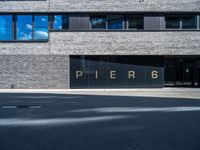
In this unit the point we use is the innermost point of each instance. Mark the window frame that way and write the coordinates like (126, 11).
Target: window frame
(40, 27)
(106, 19)
(198, 22)
(196, 16)
(14, 28)
(123, 21)
(52, 21)
(95, 16)
(90, 14)
(136, 16)
(32, 23)
(180, 22)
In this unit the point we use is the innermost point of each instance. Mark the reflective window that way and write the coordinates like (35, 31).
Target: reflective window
(115, 22)
(98, 22)
(135, 22)
(6, 31)
(40, 27)
(189, 22)
(58, 22)
(61, 22)
(24, 27)
(172, 22)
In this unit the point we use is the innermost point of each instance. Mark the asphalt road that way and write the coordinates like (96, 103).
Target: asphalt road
(86, 122)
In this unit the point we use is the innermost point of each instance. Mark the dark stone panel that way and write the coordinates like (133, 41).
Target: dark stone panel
(116, 71)
(137, 65)
(96, 72)
(78, 72)
(154, 71)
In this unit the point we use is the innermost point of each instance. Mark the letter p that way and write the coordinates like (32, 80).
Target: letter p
(78, 74)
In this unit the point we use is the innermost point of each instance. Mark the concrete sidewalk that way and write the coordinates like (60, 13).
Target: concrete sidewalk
(154, 92)
(98, 90)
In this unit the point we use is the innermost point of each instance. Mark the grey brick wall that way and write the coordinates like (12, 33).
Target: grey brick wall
(24, 6)
(125, 5)
(125, 43)
(36, 71)
(25, 48)
(110, 43)
(99, 5)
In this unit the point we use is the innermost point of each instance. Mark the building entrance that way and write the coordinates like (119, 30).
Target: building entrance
(182, 72)
(134, 71)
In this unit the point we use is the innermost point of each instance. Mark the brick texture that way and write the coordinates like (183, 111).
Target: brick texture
(125, 5)
(125, 43)
(98, 5)
(23, 71)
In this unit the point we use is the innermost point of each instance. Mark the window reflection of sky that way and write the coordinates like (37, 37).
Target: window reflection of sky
(98, 22)
(41, 21)
(24, 27)
(61, 22)
(115, 22)
(6, 32)
(41, 27)
(58, 22)
(40, 33)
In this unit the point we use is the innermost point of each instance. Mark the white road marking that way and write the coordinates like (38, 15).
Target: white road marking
(57, 121)
(8, 107)
(138, 109)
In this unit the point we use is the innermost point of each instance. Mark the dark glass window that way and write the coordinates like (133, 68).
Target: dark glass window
(24, 27)
(98, 22)
(61, 22)
(6, 31)
(189, 22)
(40, 27)
(115, 22)
(199, 21)
(135, 22)
(172, 22)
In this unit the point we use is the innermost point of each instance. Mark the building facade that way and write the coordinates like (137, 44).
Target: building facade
(62, 44)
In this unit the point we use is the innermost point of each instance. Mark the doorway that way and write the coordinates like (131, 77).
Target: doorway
(181, 72)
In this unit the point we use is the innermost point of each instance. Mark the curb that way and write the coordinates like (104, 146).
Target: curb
(98, 90)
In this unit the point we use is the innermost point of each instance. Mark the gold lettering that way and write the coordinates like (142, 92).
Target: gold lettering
(131, 74)
(112, 74)
(154, 74)
(96, 74)
(78, 74)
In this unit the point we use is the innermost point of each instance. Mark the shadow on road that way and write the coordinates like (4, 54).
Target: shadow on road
(94, 122)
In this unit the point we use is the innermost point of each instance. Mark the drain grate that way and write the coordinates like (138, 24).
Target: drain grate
(21, 106)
